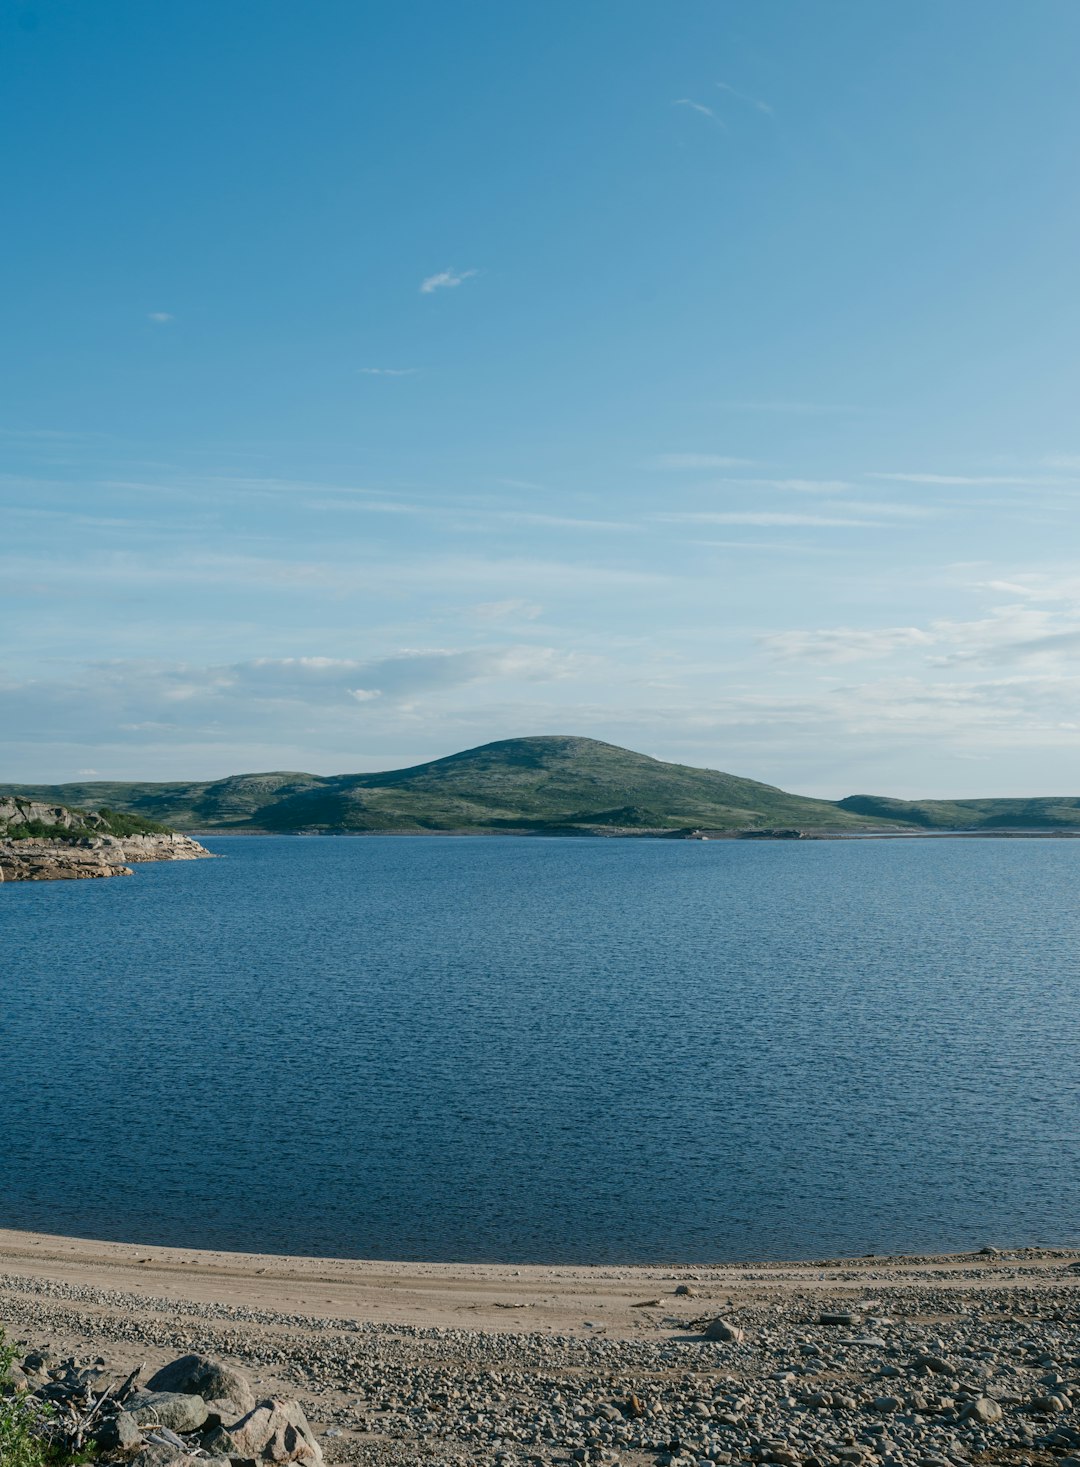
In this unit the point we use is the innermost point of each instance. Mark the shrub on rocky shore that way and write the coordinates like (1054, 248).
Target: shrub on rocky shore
(194, 1410)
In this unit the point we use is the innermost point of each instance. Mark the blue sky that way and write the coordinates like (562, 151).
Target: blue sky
(384, 378)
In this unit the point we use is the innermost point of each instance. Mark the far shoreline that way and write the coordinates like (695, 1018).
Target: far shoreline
(709, 838)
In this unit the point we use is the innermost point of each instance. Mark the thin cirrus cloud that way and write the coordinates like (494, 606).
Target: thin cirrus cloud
(765, 518)
(445, 280)
(1009, 634)
(755, 102)
(886, 508)
(373, 576)
(563, 522)
(1038, 587)
(220, 487)
(797, 409)
(1050, 646)
(512, 609)
(698, 461)
(389, 371)
(160, 318)
(797, 486)
(700, 108)
(843, 644)
(960, 480)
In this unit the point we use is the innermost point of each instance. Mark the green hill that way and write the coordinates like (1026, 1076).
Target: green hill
(1053, 812)
(535, 784)
(553, 783)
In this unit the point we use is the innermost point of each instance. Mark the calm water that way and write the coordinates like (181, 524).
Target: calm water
(549, 1050)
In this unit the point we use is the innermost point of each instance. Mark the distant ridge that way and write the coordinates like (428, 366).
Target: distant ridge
(549, 783)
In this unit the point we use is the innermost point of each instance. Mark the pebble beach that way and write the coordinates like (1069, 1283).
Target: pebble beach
(874, 1362)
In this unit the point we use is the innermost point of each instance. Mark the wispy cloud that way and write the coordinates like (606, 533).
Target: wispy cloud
(843, 644)
(513, 609)
(445, 280)
(960, 480)
(754, 102)
(701, 108)
(698, 461)
(886, 508)
(807, 409)
(1039, 587)
(1010, 634)
(216, 487)
(389, 371)
(47, 435)
(370, 506)
(765, 517)
(1048, 647)
(160, 318)
(563, 522)
(798, 486)
(1015, 588)
(1062, 461)
(375, 575)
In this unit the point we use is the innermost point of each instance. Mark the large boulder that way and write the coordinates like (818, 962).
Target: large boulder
(719, 1329)
(162, 1455)
(120, 1433)
(276, 1431)
(985, 1411)
(177, 1411)
(225, 1390)
(13, 1380)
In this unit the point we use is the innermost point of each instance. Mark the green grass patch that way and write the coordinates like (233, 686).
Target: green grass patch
(29, 1433)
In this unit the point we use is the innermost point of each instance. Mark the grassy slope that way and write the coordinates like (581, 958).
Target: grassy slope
(192, 805)
(535, 784)
(515, 784)
(549, 782)
(1054, 812)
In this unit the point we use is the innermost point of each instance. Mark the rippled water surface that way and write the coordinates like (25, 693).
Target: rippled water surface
(552, 1050)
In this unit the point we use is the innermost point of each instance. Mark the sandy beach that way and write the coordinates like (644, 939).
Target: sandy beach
(403, 1362)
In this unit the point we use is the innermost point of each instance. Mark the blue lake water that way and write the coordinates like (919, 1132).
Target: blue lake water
(551, 1050)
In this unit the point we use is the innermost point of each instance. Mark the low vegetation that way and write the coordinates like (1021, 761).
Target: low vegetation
(75, 825)
(24, 1420)
(1052, 812)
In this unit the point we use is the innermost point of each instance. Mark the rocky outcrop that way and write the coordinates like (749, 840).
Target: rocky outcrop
(275, 1431)
(79, 857)
(55, 860)
(22, 812)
